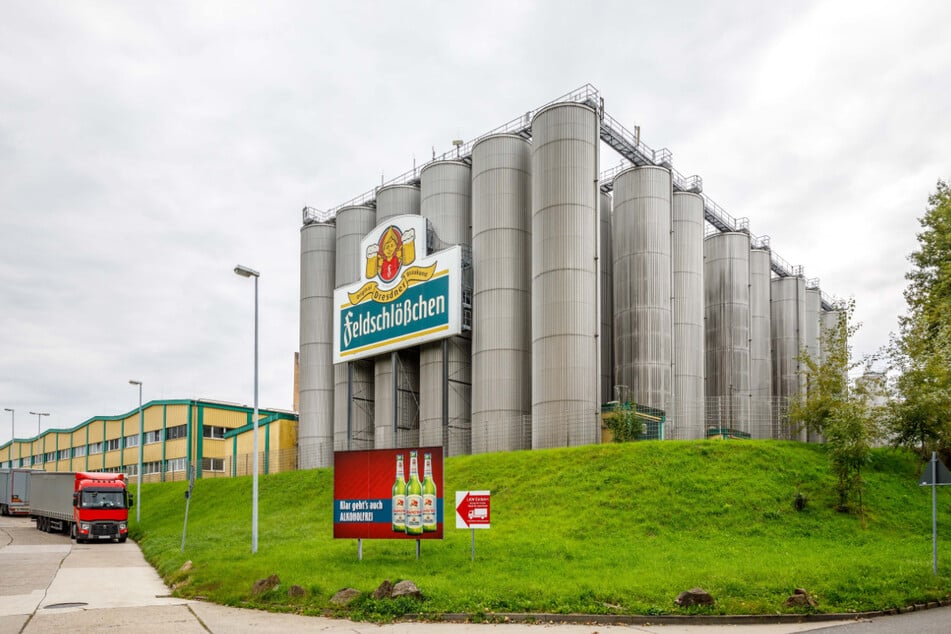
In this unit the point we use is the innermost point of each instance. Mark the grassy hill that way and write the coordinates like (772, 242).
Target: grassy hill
(600, 529)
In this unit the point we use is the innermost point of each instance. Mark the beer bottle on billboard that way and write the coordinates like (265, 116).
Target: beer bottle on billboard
(414, 499)
(429, 495)
(399, 497)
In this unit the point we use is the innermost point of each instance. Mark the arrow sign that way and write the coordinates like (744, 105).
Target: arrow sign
(472, 509)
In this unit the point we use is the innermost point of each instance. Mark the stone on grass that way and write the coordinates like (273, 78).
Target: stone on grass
(383, 592)
(295, 591)
(186, 566)
(265, 585)
(406, 589)
(694, 596)
(345, 596)
(800, 599)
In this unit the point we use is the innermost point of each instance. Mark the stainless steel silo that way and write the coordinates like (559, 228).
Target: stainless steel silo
(501, 297)
(565, 285)
(686, 252)
(445, 199)
(606, 336)
(353, 381)
(316, 379)
(396, 394)
(726, 278)
(786, 321)
(761, 358)
(642, 300)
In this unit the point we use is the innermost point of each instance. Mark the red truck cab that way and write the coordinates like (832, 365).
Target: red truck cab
(101, 507)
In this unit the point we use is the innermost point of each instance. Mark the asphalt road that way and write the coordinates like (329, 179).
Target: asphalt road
(49, 585)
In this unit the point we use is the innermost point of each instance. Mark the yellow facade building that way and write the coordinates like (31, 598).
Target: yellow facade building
(214, 438)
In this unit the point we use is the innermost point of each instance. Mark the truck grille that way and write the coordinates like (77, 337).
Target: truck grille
(103, 530)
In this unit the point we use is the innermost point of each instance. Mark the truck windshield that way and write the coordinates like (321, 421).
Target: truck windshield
(103, 499)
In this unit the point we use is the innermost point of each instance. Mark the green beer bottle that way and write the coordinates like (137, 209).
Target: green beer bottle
(429, 495)
(399, 498)
(414, 499)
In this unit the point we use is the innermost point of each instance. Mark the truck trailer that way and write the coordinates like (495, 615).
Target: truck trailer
(15, 491)
(87, 506)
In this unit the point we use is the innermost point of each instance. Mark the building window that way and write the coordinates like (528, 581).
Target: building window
(131, 441)
(79, 452)
(114, 444)
(95, 448)
(50, 456)
(212, 464)
(179, 431)
(175, 464)
(63, 454)
(211, 431)
(153, 436)
(131, 469)
(152, 467)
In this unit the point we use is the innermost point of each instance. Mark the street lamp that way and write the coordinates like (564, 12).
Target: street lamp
(244, 271)
(138, 471)
(13, 432)
(39, 417)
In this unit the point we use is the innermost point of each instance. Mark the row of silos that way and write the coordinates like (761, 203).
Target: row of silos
(574, 293)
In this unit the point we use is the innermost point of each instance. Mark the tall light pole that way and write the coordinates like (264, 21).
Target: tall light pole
(138, 471)
(244, 271)
(39, 417)
(13, 432)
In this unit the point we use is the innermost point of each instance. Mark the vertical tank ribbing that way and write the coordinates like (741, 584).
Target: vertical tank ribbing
(811, 333)
(606, 264)
(642, 301)
(353, 397)
(315, 428)
(445, 199)
(687, 418)
(787, 317)
(726, 278)
(501, 301)
(761, 384)
(565, 322)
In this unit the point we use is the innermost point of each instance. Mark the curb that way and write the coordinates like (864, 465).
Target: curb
(670, 619)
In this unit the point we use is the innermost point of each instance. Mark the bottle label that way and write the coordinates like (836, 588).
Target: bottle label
(399, 510)
(429, 510)
(414, 512)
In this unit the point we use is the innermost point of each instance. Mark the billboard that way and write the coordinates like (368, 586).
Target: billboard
(388, 494)
(405, 296)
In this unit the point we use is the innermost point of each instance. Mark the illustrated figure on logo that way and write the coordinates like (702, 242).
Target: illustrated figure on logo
(394, 251)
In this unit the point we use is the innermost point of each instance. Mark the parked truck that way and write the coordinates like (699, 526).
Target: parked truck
(15, 491)
(87, 506)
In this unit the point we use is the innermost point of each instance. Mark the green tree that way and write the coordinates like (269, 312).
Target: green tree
(919, 415)
(624, 423)
(842, 413)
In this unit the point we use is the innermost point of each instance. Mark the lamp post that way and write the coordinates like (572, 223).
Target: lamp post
(244, 271)
(13, 432)
(39, 417)
(138, 471)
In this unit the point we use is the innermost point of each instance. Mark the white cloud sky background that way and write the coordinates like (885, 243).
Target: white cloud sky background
(146, 148)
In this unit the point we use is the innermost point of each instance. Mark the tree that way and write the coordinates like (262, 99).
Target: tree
(919, 415)
(624, 423)
(840, 412)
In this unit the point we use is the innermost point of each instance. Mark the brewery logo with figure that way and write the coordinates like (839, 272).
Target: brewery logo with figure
(406, 296)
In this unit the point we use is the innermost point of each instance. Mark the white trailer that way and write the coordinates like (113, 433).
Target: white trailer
(15, 491)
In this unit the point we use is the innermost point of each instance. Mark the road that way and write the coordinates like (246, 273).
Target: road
(50, 585)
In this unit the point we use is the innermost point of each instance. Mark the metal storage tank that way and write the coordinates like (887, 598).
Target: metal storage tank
(565, 285)
(316, 380)
(396, 396)
(642, 301)
(828, 322)
(811, 330)
(786, 320)
(501, 296)
(687, 417)
(761, 358)
(606, 264)
(726, 277)
(445, 199)
(353, 382)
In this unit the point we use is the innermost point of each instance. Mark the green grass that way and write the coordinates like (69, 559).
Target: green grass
(603, 529)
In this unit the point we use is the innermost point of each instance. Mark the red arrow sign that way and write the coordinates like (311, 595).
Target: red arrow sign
(472, 509)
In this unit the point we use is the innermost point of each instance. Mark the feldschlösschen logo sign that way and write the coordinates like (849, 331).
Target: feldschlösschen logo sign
(405, 297)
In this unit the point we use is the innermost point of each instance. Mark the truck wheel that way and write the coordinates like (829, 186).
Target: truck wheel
(122, 539)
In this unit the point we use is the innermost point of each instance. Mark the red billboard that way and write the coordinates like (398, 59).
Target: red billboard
(388, 494)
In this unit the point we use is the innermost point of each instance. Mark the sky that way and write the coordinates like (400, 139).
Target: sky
(146, 148)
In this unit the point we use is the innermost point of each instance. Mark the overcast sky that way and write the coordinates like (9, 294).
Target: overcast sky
(146, 148)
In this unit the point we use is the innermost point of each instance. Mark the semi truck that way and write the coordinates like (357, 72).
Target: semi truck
(87, 506)
(15, 491)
